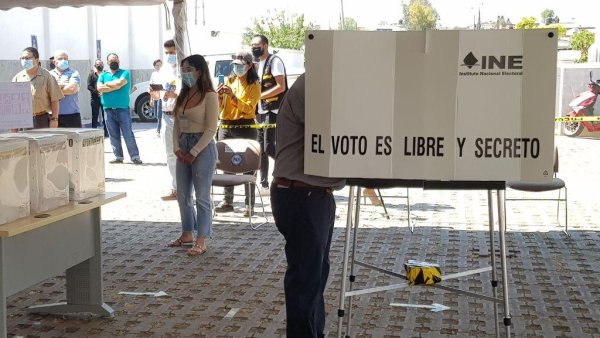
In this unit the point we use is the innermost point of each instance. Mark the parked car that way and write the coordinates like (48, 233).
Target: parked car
(218, 64)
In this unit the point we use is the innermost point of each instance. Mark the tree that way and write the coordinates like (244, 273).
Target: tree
(420, 15)
(562, 30)
(527, 23)
(349, 24)
(283, 31)
(582, 41)
(548, 17)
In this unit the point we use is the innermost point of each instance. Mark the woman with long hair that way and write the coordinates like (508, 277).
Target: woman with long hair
(238, 98)
(195, 125)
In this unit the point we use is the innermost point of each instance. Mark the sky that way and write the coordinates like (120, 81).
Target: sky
(368, 13)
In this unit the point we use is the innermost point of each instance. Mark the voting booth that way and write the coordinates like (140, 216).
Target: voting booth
(14, 180)
(435, 105)
(85, 149)
(432, 109)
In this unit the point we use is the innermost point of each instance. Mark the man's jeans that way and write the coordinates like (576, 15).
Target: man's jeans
(196, 177)
(118, 121)
(166, 132)
(266, 138)
(305, 218)
(159, 113)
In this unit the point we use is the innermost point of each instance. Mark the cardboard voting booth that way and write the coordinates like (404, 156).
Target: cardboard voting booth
(85, 148)
(14, 180)
(435, 105)
(48, 170)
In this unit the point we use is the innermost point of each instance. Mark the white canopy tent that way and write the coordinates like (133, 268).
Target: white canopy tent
(178, 10)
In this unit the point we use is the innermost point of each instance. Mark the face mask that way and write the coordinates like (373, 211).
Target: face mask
(63, 64)
(257, 51)
(27, 64)
(188, 79)
(171, 59)
(99, 68)
(239, 70)
(114, 65)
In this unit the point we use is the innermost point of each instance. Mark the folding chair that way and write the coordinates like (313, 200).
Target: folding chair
(237, 156)
(555, 184)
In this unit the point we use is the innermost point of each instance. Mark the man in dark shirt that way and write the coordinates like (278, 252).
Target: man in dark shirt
(95, 95)
(304, 211)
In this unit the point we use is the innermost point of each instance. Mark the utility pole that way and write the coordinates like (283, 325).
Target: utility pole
(342, 25)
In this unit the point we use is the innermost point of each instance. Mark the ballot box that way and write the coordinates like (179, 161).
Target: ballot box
(85, 148)
(48, 170)
(14, 179)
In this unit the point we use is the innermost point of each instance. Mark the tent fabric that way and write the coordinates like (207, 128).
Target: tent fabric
(29, 4)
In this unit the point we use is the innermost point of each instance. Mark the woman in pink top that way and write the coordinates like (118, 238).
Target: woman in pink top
(195, 124)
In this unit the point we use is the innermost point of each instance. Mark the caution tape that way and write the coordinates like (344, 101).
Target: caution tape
(577, 119)
(253, 126)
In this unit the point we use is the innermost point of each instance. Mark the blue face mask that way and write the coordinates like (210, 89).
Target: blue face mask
(172, 59)
(188, 79)
(27, 64)
(239, 70)
(63, 64)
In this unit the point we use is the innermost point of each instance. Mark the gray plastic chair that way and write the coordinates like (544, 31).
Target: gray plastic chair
(237, 156)
(555, 184)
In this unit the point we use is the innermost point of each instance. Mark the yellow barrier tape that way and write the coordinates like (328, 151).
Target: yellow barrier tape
(577, 119)
(254, 126)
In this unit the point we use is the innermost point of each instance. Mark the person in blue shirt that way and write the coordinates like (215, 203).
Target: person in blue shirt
(114, 85)
(68, 80)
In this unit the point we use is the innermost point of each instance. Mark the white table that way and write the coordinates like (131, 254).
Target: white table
(41, 246)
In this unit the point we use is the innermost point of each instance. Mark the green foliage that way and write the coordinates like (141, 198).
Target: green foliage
(349, 24)
(562, 30)
(420, 15)
(548, 17)
(527, 23)
(582, 41)
(283, 31)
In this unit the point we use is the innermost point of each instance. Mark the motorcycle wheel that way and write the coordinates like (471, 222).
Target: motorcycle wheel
(572, 129)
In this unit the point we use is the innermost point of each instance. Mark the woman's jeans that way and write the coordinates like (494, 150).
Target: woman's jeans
(196, 177)
(159, 112)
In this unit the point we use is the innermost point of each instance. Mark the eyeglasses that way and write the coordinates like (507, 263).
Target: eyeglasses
(27, 58)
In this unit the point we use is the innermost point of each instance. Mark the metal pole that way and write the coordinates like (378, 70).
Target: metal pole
(352, 276)
(343, 24)
(493, 259)
(501, 235)
(345, 261)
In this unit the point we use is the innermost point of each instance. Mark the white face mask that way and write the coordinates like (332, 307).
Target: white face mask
(171, 59)
(239, 70)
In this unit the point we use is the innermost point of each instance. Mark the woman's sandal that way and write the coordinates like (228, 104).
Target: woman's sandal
(196, 250)
(179, 243)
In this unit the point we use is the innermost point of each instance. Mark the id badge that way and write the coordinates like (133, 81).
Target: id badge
(184, 122)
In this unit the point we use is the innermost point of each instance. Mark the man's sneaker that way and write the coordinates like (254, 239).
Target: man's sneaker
(136, 161)
(170, 197)
(224, 207)
(248, 212)
(115, 161)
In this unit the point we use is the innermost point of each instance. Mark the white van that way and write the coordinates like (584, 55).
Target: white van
(218, 64)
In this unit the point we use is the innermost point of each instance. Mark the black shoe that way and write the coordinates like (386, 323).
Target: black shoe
(136, 161)
(224, 207)
(116, 161)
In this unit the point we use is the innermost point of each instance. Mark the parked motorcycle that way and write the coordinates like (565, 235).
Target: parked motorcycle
(583, 105)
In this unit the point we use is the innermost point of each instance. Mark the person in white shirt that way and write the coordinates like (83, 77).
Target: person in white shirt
(155, 94)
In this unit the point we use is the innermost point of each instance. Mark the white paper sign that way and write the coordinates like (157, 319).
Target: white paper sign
(16, 109)
(435, 105)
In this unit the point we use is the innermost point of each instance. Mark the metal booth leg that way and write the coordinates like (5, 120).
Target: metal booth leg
(493, 260)
(345, 261)
(502, 237)
(352, 277)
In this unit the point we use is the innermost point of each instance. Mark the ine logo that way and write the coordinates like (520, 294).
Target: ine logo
(491, 62)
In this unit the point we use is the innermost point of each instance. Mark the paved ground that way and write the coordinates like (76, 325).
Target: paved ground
(554, 288)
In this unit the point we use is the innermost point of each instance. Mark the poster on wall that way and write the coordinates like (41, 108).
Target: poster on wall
(15, 105)
(435, 105)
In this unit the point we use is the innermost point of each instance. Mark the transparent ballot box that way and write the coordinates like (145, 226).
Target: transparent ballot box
(85, 149)
(14, 179)
(48, 170)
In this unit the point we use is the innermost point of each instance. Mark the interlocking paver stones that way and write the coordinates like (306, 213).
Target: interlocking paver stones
(553, 286)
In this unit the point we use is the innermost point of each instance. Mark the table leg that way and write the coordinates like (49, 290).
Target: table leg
(503, 263)
(493, 260)
(3, 295)
(84, 283)
(345, 262)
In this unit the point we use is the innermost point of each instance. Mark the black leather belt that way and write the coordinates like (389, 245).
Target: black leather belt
(285, 183)
(41, 113)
